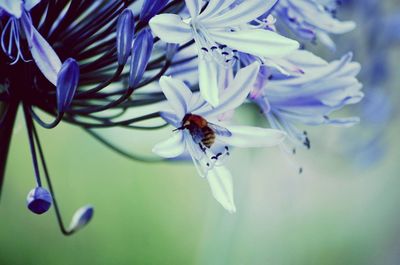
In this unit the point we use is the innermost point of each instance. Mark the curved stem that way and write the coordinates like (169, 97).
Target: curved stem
(64, 230)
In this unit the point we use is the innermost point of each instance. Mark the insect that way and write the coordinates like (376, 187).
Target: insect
(202, 131)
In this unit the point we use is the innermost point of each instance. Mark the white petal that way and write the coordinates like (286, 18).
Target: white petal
(221, 184)
(43, 54)
(171, 118)
(245, 12)
(170, 28)
(256, 42)
(208, 81)
(197, 155)
(237, 91)
(248, 136)
(194, 7)
(172, 147)
(12, 7)
(214, 7)
(177, 94)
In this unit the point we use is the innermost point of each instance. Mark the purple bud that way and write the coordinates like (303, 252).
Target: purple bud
(39, 200)
(67, 82)
(141, 52)
(81, 218)
(125, 30)
(151, 8)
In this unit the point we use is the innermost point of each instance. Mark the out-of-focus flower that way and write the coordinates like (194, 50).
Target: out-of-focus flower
(313, 20)
(308, 99)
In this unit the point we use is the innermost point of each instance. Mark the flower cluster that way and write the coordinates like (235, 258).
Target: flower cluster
(99, 64)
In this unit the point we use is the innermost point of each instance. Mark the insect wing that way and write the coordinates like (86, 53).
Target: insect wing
(197, 134)
(219, 130)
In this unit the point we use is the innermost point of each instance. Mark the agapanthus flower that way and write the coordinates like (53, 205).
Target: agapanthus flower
(220, 31)
(60, 59)
(313, 20)
(207, 140)
(310, 98)
(100, 64)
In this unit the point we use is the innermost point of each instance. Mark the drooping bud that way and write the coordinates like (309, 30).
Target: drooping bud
(81, 218)
(125, 31)
(39, 200)
(67, 82)
(141, 52)
(150, 8)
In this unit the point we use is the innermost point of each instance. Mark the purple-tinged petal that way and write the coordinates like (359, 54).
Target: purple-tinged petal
(43, 54)
(258, 42)
(208, 80)
(172, 147)
(241, 14)
(248, 136)
(29, 4)
(171, 29)
(194, 7)
(221, 184)
(177, 94)
(237, 91)
(12, 7)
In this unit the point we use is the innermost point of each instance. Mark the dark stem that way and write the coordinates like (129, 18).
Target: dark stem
(6, 130)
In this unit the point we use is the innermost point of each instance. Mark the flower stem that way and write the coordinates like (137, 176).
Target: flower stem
(6, 129)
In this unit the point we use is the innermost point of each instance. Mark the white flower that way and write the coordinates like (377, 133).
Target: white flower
(199, 133)
(219, 32)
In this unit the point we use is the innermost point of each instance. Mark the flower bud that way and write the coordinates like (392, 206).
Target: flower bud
(151, 8)
(39, 200)
(141, 52)
(81, 218)
(125, 30)
(67, 82)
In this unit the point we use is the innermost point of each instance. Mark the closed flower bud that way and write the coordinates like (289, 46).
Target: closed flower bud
(39, 200)
(125, 31)
(141, 52)
(151, 8)
(81, 218)
(67, 82)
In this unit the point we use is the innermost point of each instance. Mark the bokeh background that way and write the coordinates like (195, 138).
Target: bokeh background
(344, 208)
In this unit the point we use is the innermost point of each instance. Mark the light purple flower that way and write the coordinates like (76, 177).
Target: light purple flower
(311, 98)
(208, 160)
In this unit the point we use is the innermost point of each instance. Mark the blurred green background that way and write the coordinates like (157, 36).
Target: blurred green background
(334, 213)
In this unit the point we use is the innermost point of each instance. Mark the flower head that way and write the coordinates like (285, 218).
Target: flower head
(199, 132)
(220, 31)
(309, 98)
